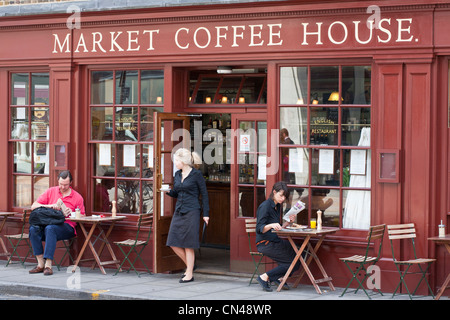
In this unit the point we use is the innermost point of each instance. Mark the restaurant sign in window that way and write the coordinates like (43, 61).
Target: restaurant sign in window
(325, 122)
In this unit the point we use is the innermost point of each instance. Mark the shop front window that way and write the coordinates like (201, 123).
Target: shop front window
(29, 135)
(121, 137)
(325, 121)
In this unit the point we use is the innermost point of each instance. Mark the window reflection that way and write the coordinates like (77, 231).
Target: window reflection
(295, 121)
(324, 82)
(293, 85)
(126, 87)
(356, 84)
(19, 89)
(152, 87)
(102, 87)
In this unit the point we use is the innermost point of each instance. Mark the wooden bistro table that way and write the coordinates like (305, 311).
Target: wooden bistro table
(5, 216)
(446, 242)
(306, 235)
(95, 223)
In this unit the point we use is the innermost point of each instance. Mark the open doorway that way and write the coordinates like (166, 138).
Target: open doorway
(209, 139)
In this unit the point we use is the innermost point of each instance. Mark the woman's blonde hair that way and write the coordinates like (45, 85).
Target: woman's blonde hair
(187, 157)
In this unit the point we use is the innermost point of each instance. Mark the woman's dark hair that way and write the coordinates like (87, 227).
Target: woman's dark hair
(64, 174)
(278, 186)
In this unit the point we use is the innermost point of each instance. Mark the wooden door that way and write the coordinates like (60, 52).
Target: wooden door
(171, 132)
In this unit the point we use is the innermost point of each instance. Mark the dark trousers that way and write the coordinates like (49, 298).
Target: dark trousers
(283, 254)
(50, 234)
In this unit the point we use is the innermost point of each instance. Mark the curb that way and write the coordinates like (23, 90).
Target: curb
(62, 294)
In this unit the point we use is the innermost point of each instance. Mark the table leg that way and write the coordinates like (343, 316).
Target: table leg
(87, 241)
(447, 280)
(297, 257)
(108, 246)
(5, 252)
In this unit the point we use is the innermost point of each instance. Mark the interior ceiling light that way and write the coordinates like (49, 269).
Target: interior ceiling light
(224, 69)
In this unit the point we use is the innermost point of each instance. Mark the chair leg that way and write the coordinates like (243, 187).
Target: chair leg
(360, 283)
(424, 272)
(15, 247)
(256, 268)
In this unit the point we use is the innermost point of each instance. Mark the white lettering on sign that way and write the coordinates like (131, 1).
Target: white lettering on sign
(295, 36)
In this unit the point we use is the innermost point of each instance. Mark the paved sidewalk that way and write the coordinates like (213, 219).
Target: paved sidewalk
(86, 284)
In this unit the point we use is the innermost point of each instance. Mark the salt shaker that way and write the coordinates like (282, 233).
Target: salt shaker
(77, 213)
(113, 210)
(441, 230)
(319, 219)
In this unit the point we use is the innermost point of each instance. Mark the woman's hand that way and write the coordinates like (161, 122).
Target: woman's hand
(206, 219)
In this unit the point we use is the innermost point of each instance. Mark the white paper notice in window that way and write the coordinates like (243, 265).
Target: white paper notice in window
(129, 155)
(262, 167)
(358, 162)
(326, 161)
(295, 160)
(104, 154)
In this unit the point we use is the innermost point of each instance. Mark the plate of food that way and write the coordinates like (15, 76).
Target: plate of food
(296, 226)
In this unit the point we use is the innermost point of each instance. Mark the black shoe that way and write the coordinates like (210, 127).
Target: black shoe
(285, 285)
(185, 281)
(264, 284)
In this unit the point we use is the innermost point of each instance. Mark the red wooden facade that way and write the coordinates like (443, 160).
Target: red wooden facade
(406, 47)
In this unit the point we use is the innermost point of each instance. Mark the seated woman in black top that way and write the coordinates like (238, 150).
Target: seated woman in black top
(188, 185)
(279, 250)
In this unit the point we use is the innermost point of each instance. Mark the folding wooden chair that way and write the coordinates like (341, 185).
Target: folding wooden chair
(145, 219)
(257, 257)
(376, 233)
(408, 232)
(20, 240)
(66, 245)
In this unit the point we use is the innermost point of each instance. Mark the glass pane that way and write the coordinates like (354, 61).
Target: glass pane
(356, 209)
(228, 90)
(102, 90)
(295, 164)
(324, 126)
(22, 191)
(356, 85)
(128, 160)
(127, 87)
(261, 173)
(327, 200)
(325, 167)
(246, 199)
(147, 123)
(207, 90)
(324, 82)
(128, 196)
(354, 120)
(253, 89)
(40, 129)
(294, 85)
(102, 123)
(126, 123)
(262, 136)
(152, 87)
(40, 89)
(247, 168)
(104, 162)
(247, 136)
(147, 197)
(147, 161)
(41, 158)
(40, 184)
(356, 168)
(104, 194)
(22, 157)
(260, 196)
(20, 89)
(293, 125)
(19, 123)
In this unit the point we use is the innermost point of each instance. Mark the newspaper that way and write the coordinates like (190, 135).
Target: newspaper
(299, 206)
(63, 207)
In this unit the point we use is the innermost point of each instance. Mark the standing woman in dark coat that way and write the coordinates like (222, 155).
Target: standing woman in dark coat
(188, 185)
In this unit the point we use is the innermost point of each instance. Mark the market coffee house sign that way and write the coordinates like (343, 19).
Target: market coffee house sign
(288, 34)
